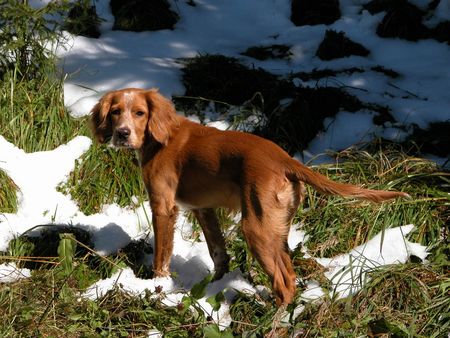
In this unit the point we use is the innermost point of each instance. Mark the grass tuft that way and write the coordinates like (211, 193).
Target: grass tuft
(102, 176)
(336, 225)
(8, 194)
(33, 116)
(224, 79)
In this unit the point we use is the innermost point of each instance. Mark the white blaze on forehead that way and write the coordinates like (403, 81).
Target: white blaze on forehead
(128, 99)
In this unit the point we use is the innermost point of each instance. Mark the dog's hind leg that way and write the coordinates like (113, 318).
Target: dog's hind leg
(214, 238)
(265, 226)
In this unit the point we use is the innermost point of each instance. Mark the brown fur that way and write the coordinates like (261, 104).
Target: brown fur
(202, 168)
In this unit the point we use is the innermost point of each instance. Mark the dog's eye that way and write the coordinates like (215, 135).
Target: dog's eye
(116, 112)
(140, 113)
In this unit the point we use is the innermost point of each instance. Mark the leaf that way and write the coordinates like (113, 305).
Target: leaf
(66, 251)
(199, 290)
(216, 300)
(186, 303)
(212, 331)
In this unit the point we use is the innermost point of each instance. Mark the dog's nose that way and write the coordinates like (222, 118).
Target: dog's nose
(123, 133)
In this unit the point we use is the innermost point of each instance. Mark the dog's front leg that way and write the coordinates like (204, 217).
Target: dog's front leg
(163, 228)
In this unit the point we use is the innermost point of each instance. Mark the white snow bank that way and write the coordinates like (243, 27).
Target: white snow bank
(347, 272)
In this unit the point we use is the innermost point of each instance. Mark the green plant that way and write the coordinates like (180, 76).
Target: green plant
(66, 252)
(8, 194)
(27, 38)
(336, 225)
(33, 116)
(82, 19)
(103, 176)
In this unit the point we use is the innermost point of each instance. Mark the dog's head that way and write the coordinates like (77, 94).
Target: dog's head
(128, 117)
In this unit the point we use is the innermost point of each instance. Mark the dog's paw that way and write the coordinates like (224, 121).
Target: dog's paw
(219, 273)
(160, 273)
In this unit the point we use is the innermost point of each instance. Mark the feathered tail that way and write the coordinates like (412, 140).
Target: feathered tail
(299, 172)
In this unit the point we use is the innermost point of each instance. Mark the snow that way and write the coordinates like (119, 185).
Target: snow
(348, 272)
(151, 59)
(10, 273)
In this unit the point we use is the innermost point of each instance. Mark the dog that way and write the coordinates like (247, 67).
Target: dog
(201, 168)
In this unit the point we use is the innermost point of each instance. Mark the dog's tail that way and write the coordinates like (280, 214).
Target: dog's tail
(299, 172)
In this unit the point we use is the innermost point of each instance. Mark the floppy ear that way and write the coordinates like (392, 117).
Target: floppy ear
(163, 118)
(100, 121)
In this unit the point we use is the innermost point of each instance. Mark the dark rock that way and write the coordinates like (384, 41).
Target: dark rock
(336, 45)
(314, 12)
(442, 32)
(377, 6)
(403, 20)
(142, 15)
(433, 140)
(268, 52)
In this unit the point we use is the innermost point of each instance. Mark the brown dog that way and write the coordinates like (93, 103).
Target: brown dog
(202, 168)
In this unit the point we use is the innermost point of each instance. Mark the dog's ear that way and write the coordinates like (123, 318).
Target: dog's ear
(163, 118)
(100, 121)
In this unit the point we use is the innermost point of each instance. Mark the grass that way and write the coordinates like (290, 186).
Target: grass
(32, 113)
(104, 176)
(402, 300)
(8, 200)
(224, 79)
(33, 118)
(335, 224)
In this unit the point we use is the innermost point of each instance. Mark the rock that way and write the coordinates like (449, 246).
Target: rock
(314, 12)
(336, 45)
(403, 20)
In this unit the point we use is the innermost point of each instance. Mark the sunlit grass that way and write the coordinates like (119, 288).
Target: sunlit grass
(103, 176)
(33, 116)
(336, 225)
(8, 198)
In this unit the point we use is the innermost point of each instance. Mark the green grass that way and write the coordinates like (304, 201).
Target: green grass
(335, 225)
(33, 116)
(8, 199)
(105, 175)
